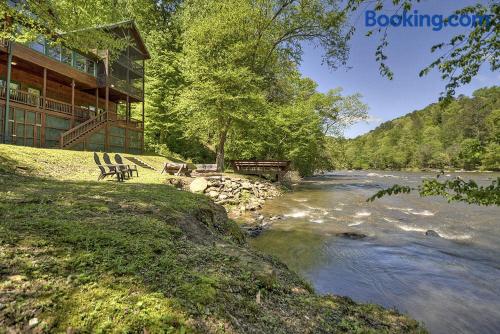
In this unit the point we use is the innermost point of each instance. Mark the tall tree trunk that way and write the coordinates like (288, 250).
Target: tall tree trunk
(219, 160)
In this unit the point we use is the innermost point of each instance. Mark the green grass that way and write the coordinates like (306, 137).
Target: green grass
(141, 256)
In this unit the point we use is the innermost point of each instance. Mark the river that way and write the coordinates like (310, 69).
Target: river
(449, 283)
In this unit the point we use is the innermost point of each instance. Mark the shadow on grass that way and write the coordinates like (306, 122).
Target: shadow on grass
(9, 165)
(141, 255)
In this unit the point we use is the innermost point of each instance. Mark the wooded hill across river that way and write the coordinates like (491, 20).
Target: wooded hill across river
(461, 134)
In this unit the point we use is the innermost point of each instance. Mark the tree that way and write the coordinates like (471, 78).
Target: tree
(222, 90)
(339, 112)
(491, 157)
(235, 51)
(470, 153)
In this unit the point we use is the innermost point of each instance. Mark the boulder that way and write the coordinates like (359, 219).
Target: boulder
(432, 233)
(198, 185)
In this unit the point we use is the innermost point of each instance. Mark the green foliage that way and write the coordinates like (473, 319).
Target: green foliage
(463, 134)
(453, 190)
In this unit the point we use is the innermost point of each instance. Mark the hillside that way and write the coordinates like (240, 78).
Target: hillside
(464, 134)
(81, 256)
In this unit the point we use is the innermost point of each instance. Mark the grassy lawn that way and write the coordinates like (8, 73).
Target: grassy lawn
(84, 256)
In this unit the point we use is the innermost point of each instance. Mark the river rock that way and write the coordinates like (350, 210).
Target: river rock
(254, 230)
(33, 322)
(352, 235)
(432, 233)
(246, 185)
(213, 193)
(253, 205)
(176, 182)
(198, 185)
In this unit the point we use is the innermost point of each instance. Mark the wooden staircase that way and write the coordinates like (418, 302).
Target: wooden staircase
(140, 163)
(75, 135)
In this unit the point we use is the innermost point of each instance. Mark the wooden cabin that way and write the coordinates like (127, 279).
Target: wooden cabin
(52, 96)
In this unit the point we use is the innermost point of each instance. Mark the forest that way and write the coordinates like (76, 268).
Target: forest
(460, 134)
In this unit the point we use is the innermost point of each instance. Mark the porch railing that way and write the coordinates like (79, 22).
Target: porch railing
(131, 123)
(16, 95)
(58, 106)
(34, 100)
(121, 85)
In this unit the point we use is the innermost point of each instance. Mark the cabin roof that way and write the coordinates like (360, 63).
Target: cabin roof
(129, 25)
(132, 27)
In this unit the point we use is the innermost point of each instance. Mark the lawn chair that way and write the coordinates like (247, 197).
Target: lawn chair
(123, 169)
(111, 171)
(131, 168)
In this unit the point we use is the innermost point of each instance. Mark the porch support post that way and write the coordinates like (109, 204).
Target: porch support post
(6, 138)
(44, 96)
(106, 128)
(97, 101)
(127, 109)
(143, 98)
(72, 103)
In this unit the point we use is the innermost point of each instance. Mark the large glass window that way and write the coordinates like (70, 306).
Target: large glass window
(90, 67)
(80, 62)
(54, 51)
(38, 45)
(67, 56)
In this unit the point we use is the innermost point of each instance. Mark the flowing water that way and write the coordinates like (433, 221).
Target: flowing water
(451, 284)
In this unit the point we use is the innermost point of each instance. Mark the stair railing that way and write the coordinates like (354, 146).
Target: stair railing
(75, 133)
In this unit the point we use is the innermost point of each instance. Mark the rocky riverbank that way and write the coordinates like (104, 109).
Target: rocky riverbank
(241, 197)
(237, 195)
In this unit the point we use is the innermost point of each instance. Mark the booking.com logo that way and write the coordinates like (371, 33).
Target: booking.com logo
(436, 21)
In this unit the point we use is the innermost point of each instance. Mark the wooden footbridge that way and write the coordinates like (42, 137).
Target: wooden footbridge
(276, 168)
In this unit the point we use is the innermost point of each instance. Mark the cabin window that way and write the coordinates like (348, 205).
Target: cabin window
(90, 67)
(38, 45)
(13, 3)
(80, 62)
(67, 56)
(54, 51)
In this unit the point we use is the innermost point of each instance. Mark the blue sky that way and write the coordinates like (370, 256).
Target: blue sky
(409, 52)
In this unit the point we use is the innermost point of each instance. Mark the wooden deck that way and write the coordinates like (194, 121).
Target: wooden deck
(276, 168)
